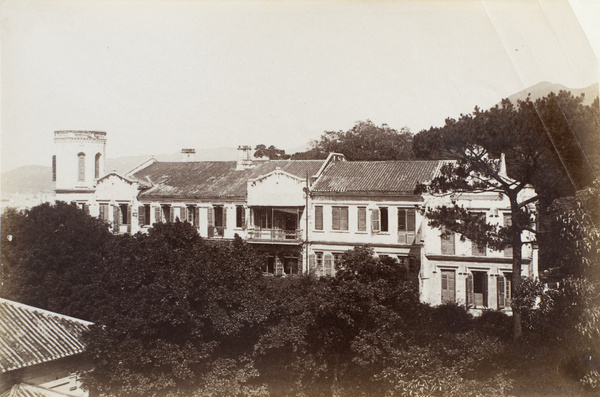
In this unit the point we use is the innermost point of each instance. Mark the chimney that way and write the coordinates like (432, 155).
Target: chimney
(188, 154)
(244, 160)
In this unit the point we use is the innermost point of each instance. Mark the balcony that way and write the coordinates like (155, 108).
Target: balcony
(274, 235)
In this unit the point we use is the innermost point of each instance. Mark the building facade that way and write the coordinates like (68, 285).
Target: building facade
(301, 214)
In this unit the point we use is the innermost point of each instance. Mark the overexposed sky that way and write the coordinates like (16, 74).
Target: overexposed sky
(159, 76)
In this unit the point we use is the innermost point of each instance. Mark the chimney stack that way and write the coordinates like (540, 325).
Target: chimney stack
(188, 154)
(244, 161)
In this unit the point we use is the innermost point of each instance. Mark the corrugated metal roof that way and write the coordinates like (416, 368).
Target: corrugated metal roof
(213, 179)
(25, 390)
(29, 335)
(375, 176)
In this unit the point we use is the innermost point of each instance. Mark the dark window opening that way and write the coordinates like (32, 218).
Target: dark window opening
(383, 213)
(240, 216)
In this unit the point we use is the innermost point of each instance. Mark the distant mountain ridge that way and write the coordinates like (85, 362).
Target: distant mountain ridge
(543, 88)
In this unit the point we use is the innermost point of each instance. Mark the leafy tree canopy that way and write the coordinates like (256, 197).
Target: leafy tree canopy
(271, 152)
(364, 141)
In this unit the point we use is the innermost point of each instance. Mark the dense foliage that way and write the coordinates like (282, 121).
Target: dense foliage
(364, 141)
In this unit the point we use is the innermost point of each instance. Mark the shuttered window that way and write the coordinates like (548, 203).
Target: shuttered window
(328, 265)
(504, 290)
(211, 222)
(448, 286)
(319, 217)
(240, 216)
(339, 218)
(362, 219)
(448, 242)
(157, 214)
(406, 225)
(375, 221)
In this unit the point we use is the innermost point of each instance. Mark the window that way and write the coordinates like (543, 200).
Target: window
(81, 167)
(476, 248)
(337, 257)
(319, 260)
(217, 220)
(125, 214)
(104, 212)
(319, 217)
(144, 214)
(447, 238)
(448, 285)
(291, 264)
(328, 265)
(54, 168)
(383, 219)
(263, 218)
(193, 215)
(504, 290)
(97, 166)
(166, 215)
(339, 218)
(508, 251)
(477, 288)
(406, 225)
(240, 216)
(362, 219)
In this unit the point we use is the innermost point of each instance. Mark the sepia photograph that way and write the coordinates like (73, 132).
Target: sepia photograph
(286, 198)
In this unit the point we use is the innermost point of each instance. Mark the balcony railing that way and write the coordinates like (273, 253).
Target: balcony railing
(274, 234)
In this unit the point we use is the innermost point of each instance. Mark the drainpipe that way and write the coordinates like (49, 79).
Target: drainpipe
(306, 216)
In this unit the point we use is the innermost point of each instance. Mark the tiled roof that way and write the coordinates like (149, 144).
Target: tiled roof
(375, 176)
(25, 390)
(213, 179)
(31, 336)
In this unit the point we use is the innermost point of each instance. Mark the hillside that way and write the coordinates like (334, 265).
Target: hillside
(542, 89)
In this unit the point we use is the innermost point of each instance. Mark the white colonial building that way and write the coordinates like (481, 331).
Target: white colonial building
(301, 214)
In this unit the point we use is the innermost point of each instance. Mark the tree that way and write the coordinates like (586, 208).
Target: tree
(364, 141)
(537, 141)
(50, 253)
(176, 314)
(271, 152)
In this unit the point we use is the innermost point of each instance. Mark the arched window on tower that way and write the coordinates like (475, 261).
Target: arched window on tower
(81, 167)
(54, 168)
(97, 166)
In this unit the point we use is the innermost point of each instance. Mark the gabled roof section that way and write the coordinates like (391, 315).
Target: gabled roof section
(362, 177)
(30, 336)
(114, 173)
(213, 179)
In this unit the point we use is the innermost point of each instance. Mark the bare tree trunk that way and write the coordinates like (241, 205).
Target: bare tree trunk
(517, 245)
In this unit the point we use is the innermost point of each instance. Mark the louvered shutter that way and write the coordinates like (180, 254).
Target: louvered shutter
(243, 217)
(402, 226)
(211, 222)
(362, 219)
(335, 218)
(318, 217)
(469, 282)
(485, 290)
(196, 216)
(142, 215)
(500, 287)
(344, 218)
(375, 220)
(328, 265)
(411, 226)
(157, 214)
(311, 261)
(116, 216)
(447, 242)
(86, 208)
(129, 214)
(224, 217)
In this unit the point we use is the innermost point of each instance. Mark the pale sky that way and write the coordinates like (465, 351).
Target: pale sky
(159, 76)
